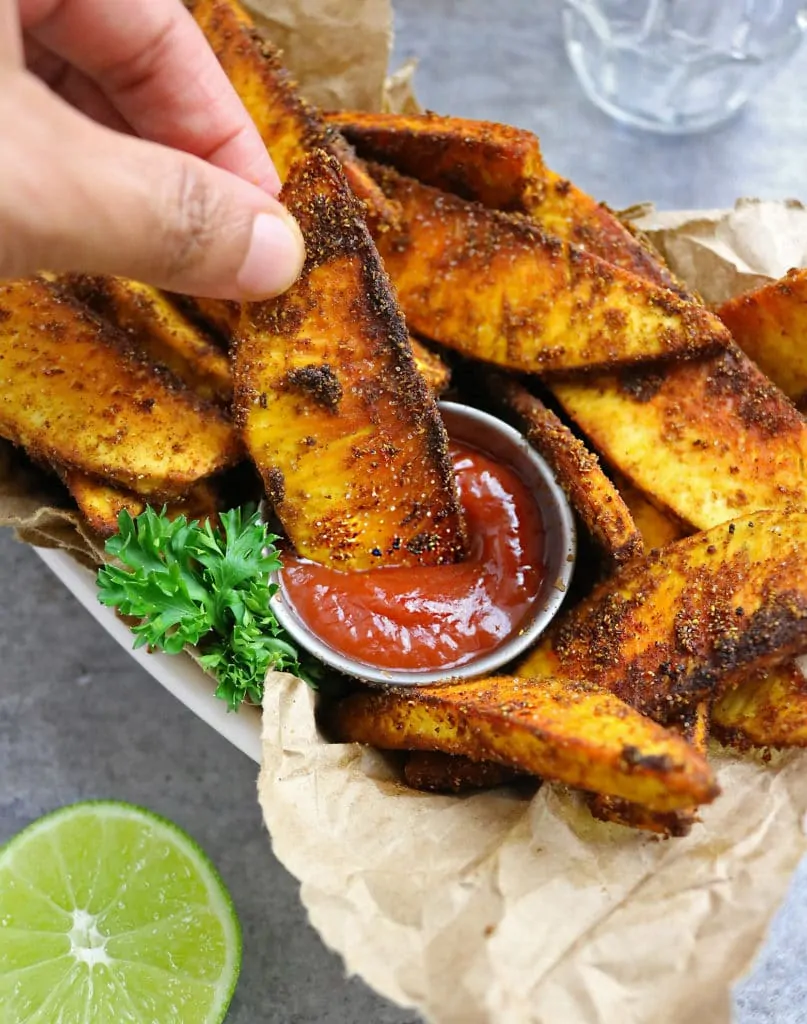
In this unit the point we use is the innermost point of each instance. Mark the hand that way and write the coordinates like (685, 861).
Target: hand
(125, 150)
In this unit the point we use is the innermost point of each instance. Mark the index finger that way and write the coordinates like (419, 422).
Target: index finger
(152, 61)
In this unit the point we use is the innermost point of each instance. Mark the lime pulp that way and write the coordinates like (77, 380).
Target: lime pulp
(109, 913)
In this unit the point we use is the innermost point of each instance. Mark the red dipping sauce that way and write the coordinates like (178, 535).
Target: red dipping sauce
(435, 617)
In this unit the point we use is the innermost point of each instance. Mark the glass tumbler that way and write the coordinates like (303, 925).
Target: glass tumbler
(678, 66)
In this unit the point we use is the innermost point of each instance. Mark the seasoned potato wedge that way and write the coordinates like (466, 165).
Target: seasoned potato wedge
(563, 731)
(100, 503)
(565, 211)
(496, 288)
(494, 164)
(160, 330)
(657, 529)
(770, 326)
(707, 439)
(290, 127)
(224, 317)
(430, 366)
(435, 772)
(767, 708)
(595, 499)
(677, 626)
(73, 393)
(343, 429)
(502, 168)
(695, 730)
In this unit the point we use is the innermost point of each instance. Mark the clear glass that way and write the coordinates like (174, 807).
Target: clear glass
(679, 66)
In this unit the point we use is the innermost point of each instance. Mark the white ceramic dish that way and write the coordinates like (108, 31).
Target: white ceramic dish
(179, 674)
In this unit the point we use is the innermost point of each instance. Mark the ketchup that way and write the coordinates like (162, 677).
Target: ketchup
(436, 617)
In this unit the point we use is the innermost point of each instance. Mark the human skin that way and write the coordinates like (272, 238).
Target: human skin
(124, 150)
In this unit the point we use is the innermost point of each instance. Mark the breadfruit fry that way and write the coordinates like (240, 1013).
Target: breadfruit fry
(501, 167)
(289, 127)
(767, 708)
(595, 499)
(160, 330)
(343, 429)
(695, 730)
(494, 164)
(673, 628)
(707, 439)
(770, 326)
(431, 367)
(435, 772)
(563, 731)
(657, 529)
(100, 503)
(567, 212)
(73, 393)
(496, 288)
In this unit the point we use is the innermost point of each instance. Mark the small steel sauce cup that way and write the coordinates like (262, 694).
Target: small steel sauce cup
(490, 435)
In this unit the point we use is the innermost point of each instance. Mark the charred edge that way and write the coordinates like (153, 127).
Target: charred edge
(275, 486)
(760, 404)
(632, 758)
(778, 629)
(318, 382)
(617, 811)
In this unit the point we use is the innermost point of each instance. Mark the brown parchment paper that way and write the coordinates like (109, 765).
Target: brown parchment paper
(496, 907)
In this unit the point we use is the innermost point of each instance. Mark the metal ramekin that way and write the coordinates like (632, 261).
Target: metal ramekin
(492, 436)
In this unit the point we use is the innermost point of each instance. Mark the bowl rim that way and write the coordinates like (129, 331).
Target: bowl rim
(554, 505)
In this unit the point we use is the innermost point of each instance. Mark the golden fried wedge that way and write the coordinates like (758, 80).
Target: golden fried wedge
(502, 168)
(100, 503)
(73, 393)
(495, 288)
(565, 211)
(770, 325)
(695, 730)
(595, 499)
(435, 772)
(673, 628)
(563, 731)
(494, 164)
(160, 330)
(343, 429)
(707, 439)
(767, 708)
(223, 318)
(657, 528)
(289, 127)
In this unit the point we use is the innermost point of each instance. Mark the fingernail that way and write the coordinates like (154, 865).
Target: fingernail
(274, 258)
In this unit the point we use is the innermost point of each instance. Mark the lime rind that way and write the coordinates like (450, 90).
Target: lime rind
(185, 957)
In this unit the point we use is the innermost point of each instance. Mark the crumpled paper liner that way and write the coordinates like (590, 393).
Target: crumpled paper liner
(495, 907)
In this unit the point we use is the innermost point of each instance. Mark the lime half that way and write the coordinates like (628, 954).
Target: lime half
(112, 915)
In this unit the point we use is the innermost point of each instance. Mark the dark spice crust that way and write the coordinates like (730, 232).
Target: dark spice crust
(495, 164)
(320, 382)
(435, 772)
(674, 628)
(496, 288)
(334, 353)
(593, 496)
(77, 392)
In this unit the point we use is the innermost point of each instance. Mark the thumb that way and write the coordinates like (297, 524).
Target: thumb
(77, 196)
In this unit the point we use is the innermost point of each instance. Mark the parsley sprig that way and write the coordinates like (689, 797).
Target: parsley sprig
(192, 583)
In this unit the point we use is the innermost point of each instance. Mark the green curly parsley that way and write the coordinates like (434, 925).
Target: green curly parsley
(205, 586)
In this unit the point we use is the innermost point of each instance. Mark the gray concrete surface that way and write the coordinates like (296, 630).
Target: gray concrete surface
(78, 719)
